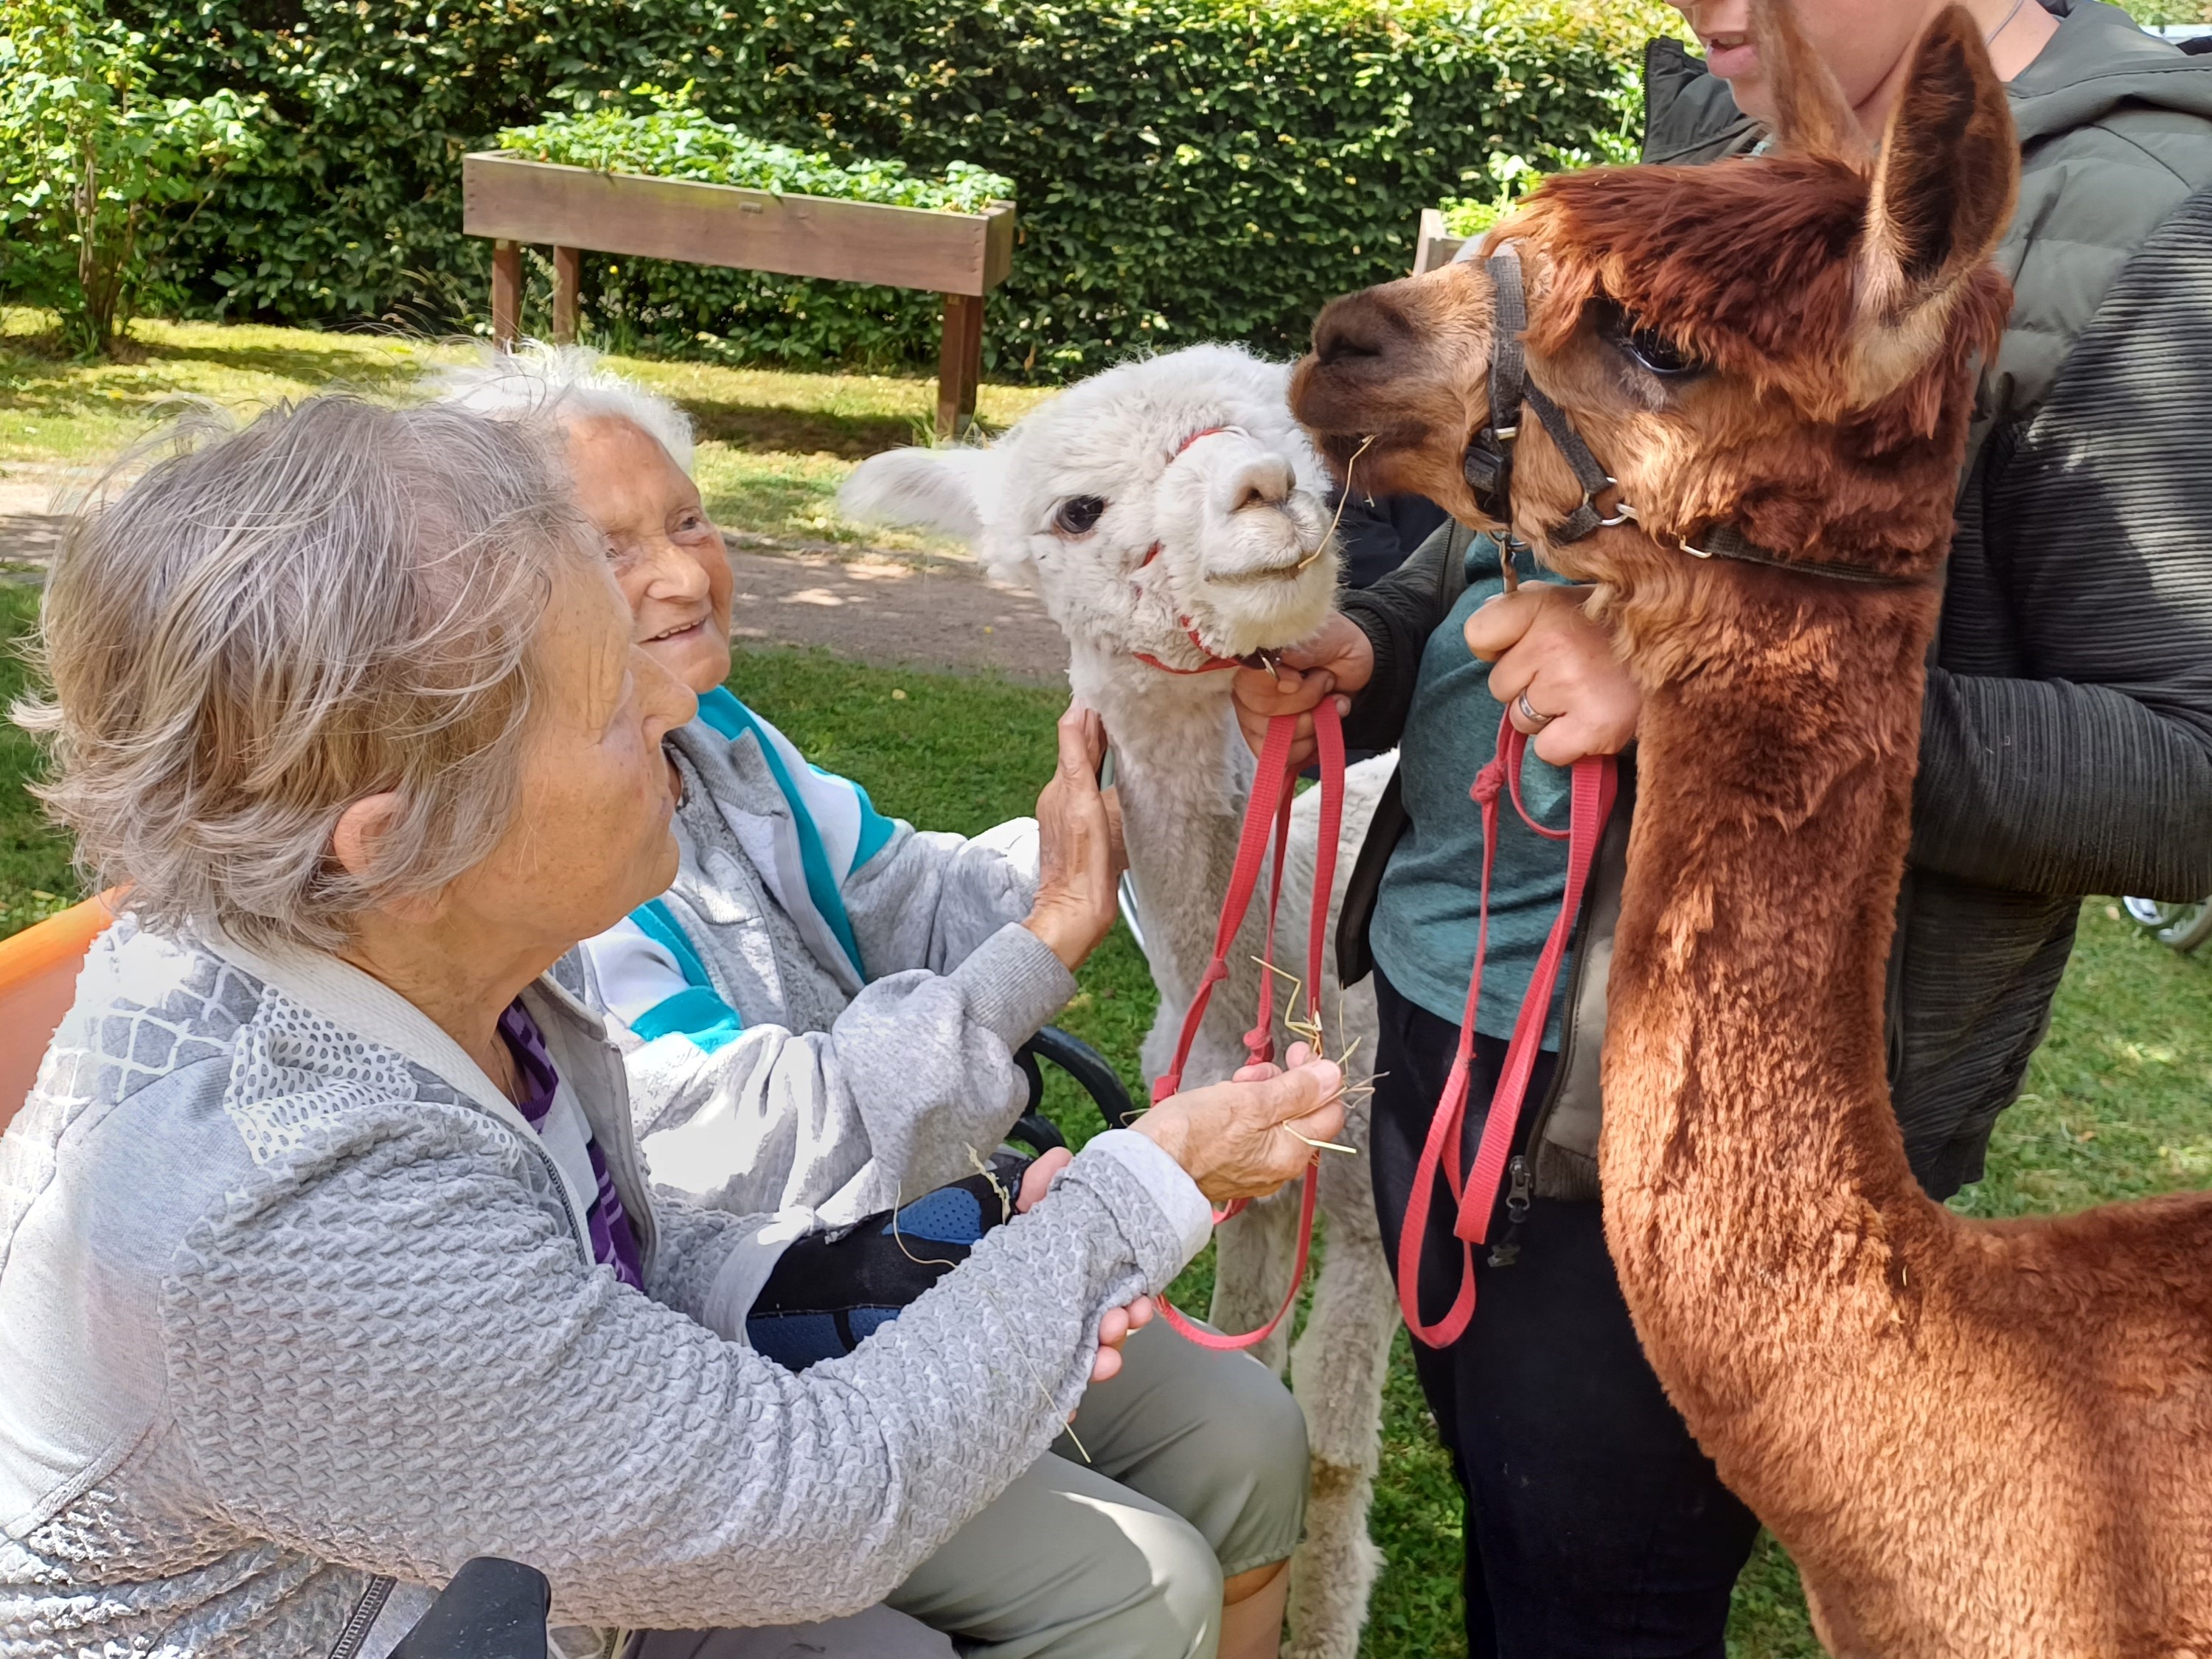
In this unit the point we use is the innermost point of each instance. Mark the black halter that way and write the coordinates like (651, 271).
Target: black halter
(1488, 464)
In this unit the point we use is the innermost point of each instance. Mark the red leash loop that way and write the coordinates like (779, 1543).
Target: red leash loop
(1595, 780)
(1274, 785)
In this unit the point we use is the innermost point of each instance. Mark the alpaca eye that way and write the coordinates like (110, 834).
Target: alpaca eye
(1656, 353)
(1078, 515)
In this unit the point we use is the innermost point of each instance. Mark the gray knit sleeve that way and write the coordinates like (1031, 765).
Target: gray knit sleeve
(928, 900)
(395, 1359)
(914, 1078)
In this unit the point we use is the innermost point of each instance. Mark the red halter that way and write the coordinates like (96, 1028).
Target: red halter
(1272, 789)
(1212, 663)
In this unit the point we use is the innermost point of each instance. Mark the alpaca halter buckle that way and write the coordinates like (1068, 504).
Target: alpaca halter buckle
(1487, 465)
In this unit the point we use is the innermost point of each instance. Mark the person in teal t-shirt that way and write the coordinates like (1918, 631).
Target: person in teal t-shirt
(1428, 911)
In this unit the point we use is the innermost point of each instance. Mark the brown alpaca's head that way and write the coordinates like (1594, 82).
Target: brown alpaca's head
(1785, 343)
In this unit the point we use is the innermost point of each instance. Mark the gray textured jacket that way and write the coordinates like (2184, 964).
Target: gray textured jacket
(294, 1302)
(2067, 738)
(802, 1080)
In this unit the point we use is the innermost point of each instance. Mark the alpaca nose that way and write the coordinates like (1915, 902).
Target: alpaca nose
(1356, 326)
(1263, 481)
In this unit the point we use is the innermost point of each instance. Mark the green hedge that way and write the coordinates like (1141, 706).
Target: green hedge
(1185, 169)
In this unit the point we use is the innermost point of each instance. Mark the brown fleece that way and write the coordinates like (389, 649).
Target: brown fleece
(1975, 1438)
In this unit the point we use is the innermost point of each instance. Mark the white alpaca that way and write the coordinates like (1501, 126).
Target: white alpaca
(1148, 540)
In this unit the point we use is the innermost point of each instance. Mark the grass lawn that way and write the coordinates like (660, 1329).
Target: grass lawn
(2115, 1104)
(772, 447)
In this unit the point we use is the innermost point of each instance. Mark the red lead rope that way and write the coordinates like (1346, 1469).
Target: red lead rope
(1272, 789)
(1595, 780)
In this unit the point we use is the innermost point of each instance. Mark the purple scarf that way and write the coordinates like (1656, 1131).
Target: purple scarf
(612, 1241)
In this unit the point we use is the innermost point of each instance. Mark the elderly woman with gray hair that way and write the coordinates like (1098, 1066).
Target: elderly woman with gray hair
(326, 1257)
(819, 1020)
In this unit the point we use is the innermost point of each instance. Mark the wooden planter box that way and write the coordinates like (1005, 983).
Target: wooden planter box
(962, 256)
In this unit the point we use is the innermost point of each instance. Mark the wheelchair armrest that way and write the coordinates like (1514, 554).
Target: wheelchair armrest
(1086, 1066)
(493, 1609)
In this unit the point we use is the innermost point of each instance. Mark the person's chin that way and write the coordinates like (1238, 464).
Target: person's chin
(665, 861)
(705, 665)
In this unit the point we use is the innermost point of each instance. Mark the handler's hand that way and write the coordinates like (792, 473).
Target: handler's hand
(1337, 659)
(1235, 1137)
(1541, 643)
(1078, 845)
(1113, 1329)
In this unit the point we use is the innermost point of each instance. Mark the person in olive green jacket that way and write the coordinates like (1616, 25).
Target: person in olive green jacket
(2067, 751)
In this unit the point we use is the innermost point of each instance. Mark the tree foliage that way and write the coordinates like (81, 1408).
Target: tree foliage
(1185, 169)
(97, 173)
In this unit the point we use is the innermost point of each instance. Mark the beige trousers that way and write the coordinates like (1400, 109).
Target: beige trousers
(1196, 1472)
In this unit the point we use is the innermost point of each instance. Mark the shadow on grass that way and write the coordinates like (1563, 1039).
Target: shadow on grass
(50, 384)
(771, 429)
(341, 364)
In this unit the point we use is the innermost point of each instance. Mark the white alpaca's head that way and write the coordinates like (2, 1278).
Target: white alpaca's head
(1170, 507)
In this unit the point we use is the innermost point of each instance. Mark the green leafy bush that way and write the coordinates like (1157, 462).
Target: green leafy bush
(1185, 169)
(675, 141)
(1515, 176)
(95, 172)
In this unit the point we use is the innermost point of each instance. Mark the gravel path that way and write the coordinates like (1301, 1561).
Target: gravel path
(909, 609)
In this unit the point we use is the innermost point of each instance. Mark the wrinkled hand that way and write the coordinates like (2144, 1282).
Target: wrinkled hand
(1235, 1139)
(1337, 659)
(1113, 1329)
(1078, 845)
(1541, 643)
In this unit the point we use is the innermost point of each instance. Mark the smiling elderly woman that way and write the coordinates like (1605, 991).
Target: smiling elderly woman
(326, 1259)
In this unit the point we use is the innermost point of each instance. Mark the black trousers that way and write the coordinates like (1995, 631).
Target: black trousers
(1595, 1528)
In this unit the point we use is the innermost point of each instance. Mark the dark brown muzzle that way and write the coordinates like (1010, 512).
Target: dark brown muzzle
(1390, 376)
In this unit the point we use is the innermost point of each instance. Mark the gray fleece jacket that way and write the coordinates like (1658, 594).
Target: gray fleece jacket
(819, 1017)
(294, 1302)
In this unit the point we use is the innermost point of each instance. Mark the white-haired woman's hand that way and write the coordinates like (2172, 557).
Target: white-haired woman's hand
(1245, 1138)
(1078, 845)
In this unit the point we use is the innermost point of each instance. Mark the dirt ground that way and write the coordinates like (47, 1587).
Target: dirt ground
(919, 611)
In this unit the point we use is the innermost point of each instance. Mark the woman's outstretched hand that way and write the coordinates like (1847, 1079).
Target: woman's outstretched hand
(1078, 845)
(1242, 1138)
(1235, 1139)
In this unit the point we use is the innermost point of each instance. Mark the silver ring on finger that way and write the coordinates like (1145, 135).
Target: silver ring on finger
(1529, 714)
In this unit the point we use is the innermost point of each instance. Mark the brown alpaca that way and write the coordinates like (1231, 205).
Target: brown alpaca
(1974, 1438)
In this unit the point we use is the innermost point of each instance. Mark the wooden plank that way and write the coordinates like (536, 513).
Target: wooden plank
(506, 291)
(1436, 245)
(567, 283)
(506, 196)
(959, 363)
(998, 245)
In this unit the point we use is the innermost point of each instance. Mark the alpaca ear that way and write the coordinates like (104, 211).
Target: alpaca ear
(1944, 185)
(1811, 115)
(934, 489)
